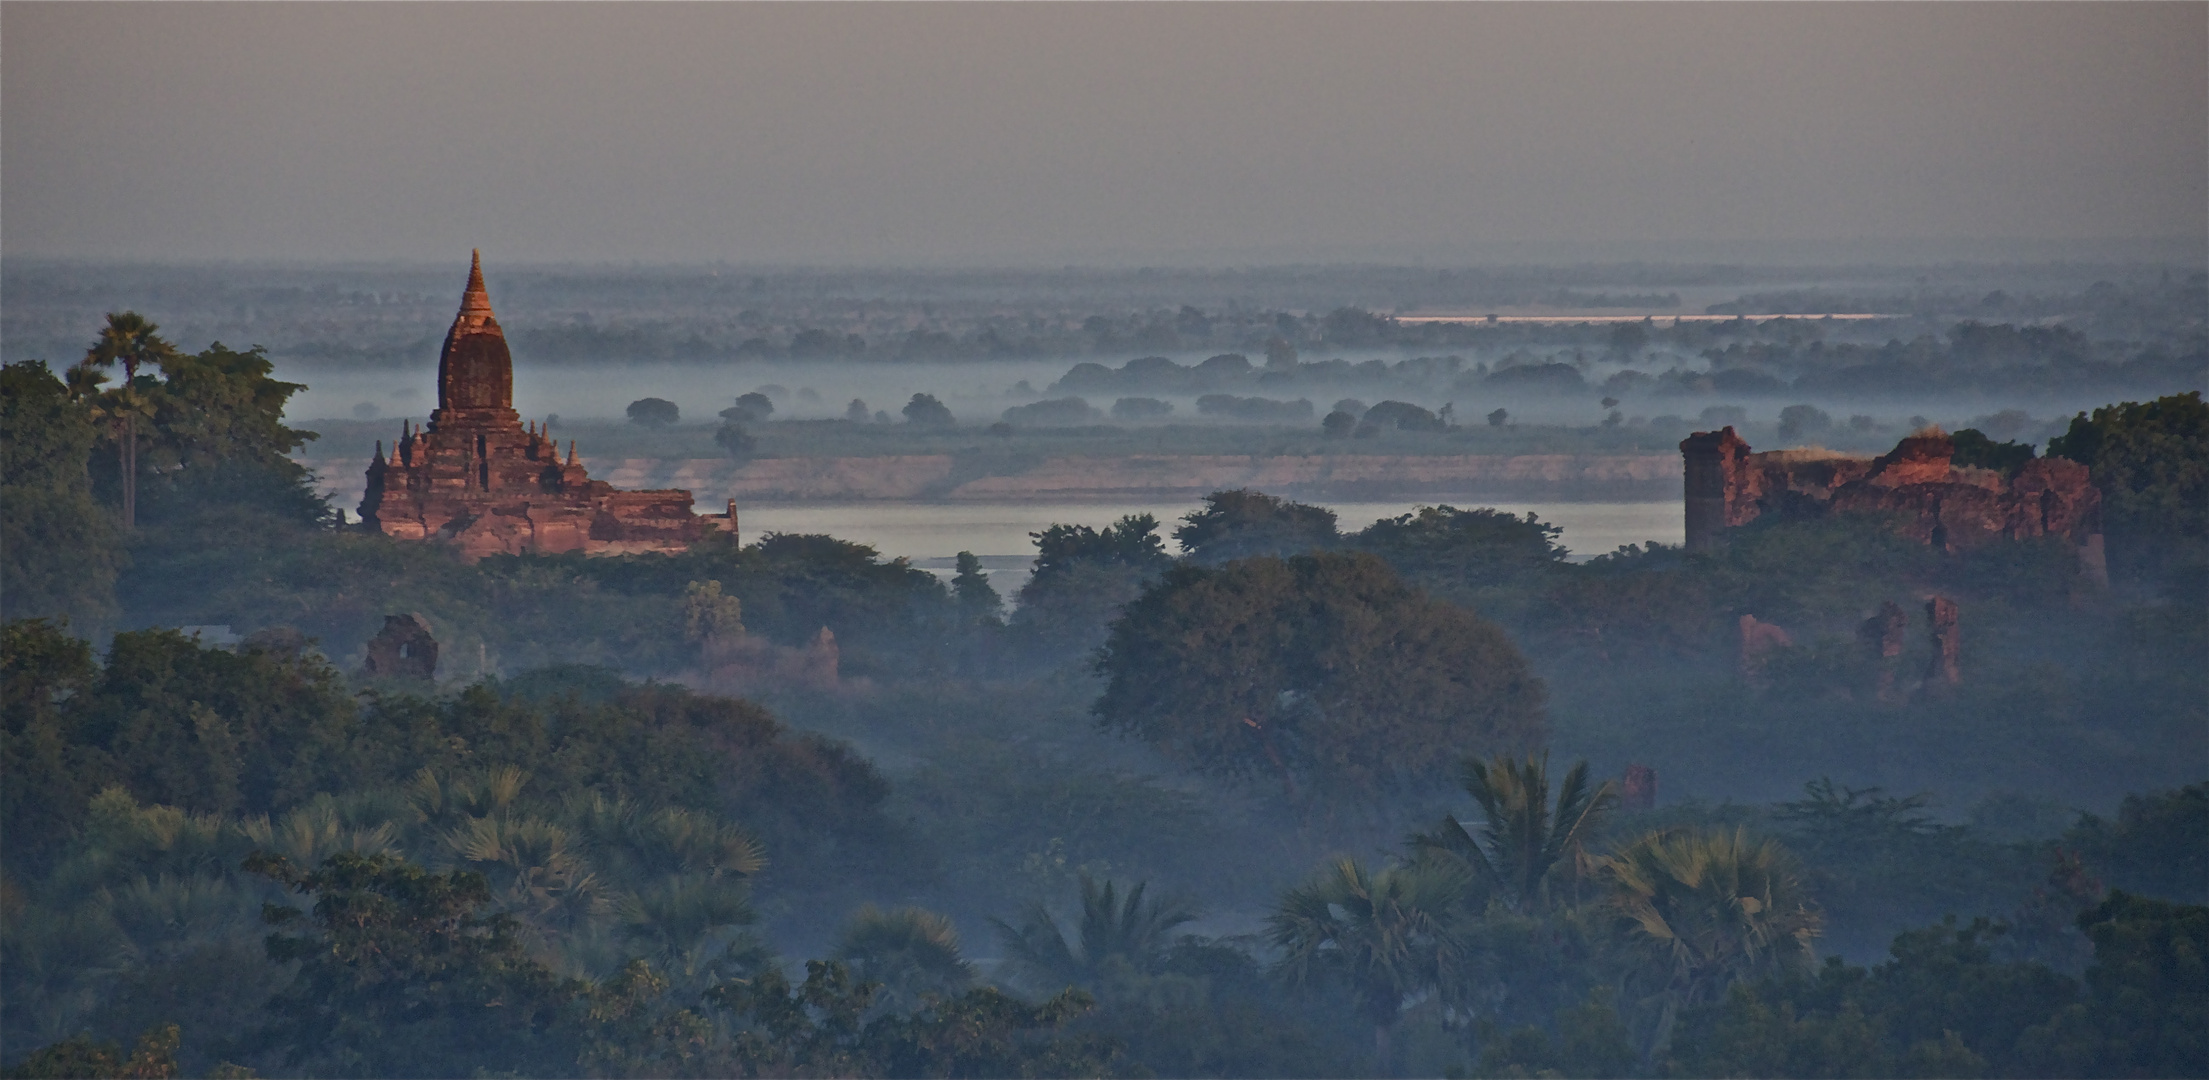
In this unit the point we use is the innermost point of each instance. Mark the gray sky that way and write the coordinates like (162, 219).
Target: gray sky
(919, 133)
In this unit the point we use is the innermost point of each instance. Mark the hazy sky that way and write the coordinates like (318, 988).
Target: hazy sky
(919, 133)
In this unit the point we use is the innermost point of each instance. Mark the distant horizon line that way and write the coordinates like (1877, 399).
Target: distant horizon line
(2057, 252)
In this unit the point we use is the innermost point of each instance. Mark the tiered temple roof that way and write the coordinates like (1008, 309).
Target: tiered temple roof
(479, 478)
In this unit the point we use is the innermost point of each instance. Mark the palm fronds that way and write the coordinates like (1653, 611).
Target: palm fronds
(1522, 837)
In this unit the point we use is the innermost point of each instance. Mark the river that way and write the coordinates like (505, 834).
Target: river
(932, 534)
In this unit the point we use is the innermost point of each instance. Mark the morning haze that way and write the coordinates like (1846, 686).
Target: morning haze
(1243, 540)
(920, 134)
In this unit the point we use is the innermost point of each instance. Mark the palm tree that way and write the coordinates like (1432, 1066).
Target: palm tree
(534, 867)
(129, 340)
(1116, 937)
(908, 950)
(1387, 935)
(1706, 909)
(1521, 838)
(629, 842)
(679, 922)
(316, 830)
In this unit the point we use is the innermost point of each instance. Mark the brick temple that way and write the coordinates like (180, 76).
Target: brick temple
(1950, 506)
(481, 480)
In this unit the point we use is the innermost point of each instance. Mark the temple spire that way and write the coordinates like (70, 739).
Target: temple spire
(475, 301)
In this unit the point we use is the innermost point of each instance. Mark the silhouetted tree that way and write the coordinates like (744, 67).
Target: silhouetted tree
(59, 551)
(1241, 523)
(752, 408)
(978, 601)
(130, 340)
(654, 412)
(925, 411)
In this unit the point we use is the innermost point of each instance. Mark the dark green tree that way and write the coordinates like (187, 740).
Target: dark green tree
(752, 408)
(925, 411)
(59, 550)
(1241, 523)
(979, 604)
(735, 441)
(654, 412)
(400, 976)
(132, 341)
(51, 776)
(1945, 1003)
(1324, 670)
(1590, 1040)
(2147, 1007)
(218, 441)
(1459, 553)
(82, 1058)
(1083, 576)
(1975, 448)
(204, 729)
(2151, 462)
(2153, 848)
(822, 1028)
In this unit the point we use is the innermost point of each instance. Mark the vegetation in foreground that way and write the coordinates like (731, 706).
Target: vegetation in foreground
(229, 858)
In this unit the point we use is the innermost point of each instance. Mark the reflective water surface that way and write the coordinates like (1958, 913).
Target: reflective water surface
(932, 534)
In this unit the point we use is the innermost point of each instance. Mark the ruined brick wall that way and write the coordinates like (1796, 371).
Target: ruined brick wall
(1719, 486)
(404, 649)
(1949, 506)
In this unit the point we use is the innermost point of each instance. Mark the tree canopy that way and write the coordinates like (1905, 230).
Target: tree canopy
(2151, 462)
(654, 412)
(1323, 670)
(1241, 523)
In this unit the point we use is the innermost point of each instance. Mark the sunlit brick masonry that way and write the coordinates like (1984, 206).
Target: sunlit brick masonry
(480, 479)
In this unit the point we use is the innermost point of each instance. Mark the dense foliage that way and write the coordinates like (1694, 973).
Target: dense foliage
(562, 859)
(2151, 462)
(1323, 671)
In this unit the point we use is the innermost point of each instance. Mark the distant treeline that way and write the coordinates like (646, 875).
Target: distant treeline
(707, 315)
(1738, 360)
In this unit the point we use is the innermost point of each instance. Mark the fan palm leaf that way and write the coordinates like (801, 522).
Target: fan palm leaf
(1522, 838)
(1706, 909)
(910, 951)
(1385, 935)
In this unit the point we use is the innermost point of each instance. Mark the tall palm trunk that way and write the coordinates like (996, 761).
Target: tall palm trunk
(129, 451)
(1382, 1051)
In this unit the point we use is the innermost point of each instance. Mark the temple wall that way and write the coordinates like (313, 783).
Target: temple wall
(1943, 504)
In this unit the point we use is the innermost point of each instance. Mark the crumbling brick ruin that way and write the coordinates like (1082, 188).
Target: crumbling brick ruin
(1952, 507)
(404, 649)
(1947, 664)
(478, 479)
(1759, 642)
(1883, 635)
(1638, 791)
(744, 663)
